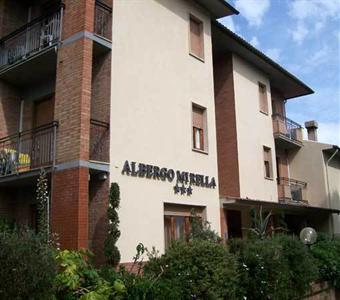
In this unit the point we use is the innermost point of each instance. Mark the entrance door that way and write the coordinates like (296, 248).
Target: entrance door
(234, 223)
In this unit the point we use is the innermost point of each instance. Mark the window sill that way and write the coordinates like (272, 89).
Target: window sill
(200, 151)
(197, 57)
(269, 178)
(263, 112)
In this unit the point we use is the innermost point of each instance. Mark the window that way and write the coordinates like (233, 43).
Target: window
(263, 98)
(199, 128)
(177, 222)
(268, 168)
(176, 228)
(196, 37)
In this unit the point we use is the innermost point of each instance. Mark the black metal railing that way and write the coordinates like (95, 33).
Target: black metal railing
(30, 39)
(103, 20)
(28, 150)
(287, 127)
(99, 140)
(297, 188)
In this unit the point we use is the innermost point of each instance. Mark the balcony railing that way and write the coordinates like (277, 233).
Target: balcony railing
(287, 127)
(30, 39)
(292, 189)
(28, 150)
(103, 20)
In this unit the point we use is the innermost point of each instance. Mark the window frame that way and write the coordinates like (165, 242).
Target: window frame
(263, 98)
(204, 130)
(268, 158)
(199, 56)
(173, 211)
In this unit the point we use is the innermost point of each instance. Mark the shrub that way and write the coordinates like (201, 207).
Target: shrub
(28, 267)
(42, 198)
(110, 249)
(301, 264)
(6, 226)
(202, 230)
(273, 268)
(327, 253)
(78, 279)
(196, 270)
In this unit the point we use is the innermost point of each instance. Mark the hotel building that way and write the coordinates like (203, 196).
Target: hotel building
(159, 97)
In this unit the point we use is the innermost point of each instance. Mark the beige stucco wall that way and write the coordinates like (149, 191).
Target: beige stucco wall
(154, 82)
(309, 164)
(254, 130)
(334, 188)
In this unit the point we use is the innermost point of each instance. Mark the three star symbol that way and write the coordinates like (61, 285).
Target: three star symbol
(182, 189)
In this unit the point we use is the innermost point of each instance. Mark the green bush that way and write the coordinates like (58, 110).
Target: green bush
(327, 253)
(78, 279)
(111, 251)
(28, 267)
(196, 270)
(273, 268)
(202, 230)
(301, 264)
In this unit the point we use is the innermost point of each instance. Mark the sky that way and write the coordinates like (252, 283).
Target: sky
(303, 36)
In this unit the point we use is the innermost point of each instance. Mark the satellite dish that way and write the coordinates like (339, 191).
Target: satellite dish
(308, 235)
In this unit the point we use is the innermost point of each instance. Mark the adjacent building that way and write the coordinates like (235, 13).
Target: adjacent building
(159, 97)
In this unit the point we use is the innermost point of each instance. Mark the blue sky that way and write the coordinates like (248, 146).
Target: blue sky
(303, 36)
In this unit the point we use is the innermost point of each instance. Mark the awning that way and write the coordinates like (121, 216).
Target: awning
(293, 206)
(218, 8)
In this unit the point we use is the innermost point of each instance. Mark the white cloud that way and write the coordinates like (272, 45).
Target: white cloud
(313, 14)
(274, 53)
(255, 42)
(253, 10)
(319, 57)
(329, 133)
(316, 9)
(299, 33)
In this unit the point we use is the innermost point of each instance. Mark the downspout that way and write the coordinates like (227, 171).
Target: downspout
(331, 222)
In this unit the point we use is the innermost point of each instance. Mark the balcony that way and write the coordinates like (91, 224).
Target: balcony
(28, 150)
(287, 133)
(102, 28)
(31, 46)
(292, 190)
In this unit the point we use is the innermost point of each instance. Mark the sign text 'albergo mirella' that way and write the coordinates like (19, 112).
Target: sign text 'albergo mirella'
(184, 180)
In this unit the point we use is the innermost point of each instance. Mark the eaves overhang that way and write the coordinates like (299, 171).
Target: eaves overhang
(302, 207)
(218, 8)
(333, 150)
(226, 41)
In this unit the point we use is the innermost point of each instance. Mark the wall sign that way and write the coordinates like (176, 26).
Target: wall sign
(184, 180)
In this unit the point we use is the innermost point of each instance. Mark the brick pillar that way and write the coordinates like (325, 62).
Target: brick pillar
(69, 208)
(224, 228)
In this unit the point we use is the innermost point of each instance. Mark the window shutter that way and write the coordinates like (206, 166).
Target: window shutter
(197, 116)
(196, 37)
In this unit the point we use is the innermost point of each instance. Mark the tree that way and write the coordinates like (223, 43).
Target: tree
(110, 249)
(42, 198)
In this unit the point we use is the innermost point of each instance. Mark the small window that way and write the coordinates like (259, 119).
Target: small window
(199, 128)
(263, 98)
(267, 157)
(177, 222)
(196, 37)
(176, 228)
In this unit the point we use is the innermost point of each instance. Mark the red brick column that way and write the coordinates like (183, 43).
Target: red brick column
(70, 187)
(70, 207)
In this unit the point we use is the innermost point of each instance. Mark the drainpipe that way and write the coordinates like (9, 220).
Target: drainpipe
(331, 224)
